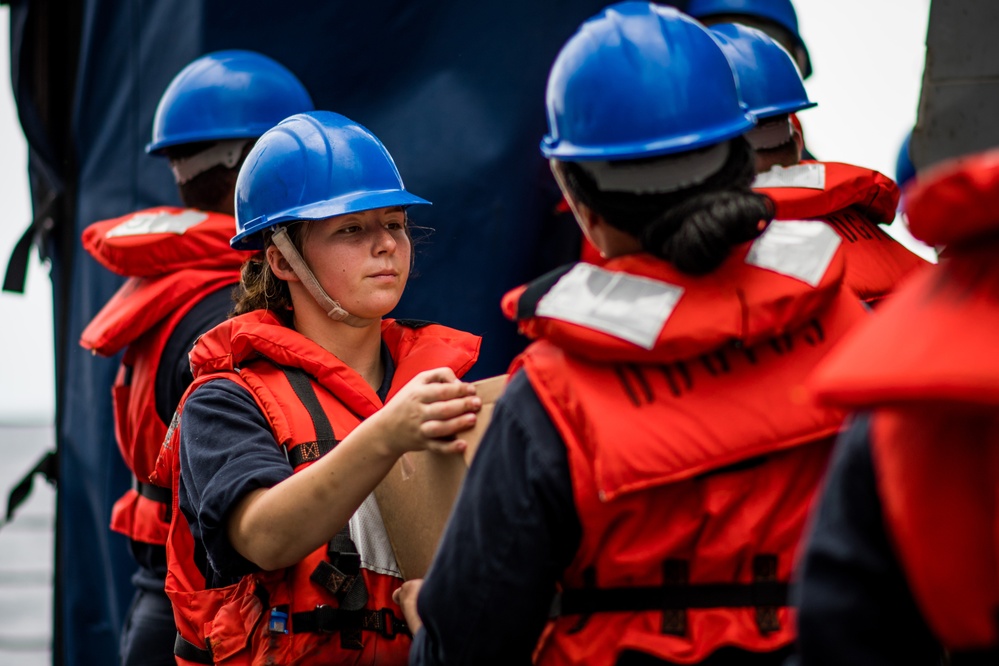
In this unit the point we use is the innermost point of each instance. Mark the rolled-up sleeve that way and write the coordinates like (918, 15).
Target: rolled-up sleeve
(227, 449)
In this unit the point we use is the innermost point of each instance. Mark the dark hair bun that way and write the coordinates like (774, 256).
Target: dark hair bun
(697, 234)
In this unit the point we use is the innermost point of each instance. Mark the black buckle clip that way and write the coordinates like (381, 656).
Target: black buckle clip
(326, 619)
(392, 626)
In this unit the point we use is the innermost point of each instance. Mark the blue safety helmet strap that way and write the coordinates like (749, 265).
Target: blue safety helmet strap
(780, 12)
(226, 95)
(639, 80)
(769, 82)
(310, 167)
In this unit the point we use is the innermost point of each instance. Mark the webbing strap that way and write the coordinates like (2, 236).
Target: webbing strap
(326, 620)
(325, 438)
(672, 597)
(154, 493)
(47, 466)
(188, 651)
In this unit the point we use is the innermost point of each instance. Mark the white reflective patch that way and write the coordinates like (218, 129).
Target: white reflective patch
(367, 531)
(798, 249)
(626, 306)
(810, 176)
(158, 223)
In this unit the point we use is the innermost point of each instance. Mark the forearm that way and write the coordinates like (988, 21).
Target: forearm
(277, 527)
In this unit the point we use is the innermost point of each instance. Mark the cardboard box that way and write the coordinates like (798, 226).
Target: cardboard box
(416, 496)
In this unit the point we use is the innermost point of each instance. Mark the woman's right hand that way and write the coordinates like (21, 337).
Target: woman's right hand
(428, 413)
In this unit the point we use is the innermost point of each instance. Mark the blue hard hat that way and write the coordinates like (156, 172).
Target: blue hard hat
(780, 12)
(768, 79)
(905, 170)
(313, 166)
(226, 95)
(639, 80)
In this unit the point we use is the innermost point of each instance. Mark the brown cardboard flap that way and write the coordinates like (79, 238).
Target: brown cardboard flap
(416, 496)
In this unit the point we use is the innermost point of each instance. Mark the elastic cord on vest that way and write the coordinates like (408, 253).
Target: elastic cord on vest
(304, 273)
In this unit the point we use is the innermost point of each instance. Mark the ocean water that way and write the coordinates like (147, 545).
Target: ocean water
(26, 551)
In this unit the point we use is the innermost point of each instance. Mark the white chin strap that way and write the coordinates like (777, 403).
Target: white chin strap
(304, 273)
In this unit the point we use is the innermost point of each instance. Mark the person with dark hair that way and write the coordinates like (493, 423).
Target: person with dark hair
(853, 200)
(181, 274)
(653, 456)
(301, 404)
(901, 560)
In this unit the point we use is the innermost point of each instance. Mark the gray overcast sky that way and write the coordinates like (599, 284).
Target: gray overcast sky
(868, 62)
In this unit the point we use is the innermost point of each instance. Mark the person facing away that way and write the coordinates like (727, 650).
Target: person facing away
(653, 454)
(776, 18)
(301, 404)
(181, 273)
(901, 560)
(851, 199)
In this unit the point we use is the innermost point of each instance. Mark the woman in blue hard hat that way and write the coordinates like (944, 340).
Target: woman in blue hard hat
(181, 274)
(300, 405)
(653, 456)
(853, 200)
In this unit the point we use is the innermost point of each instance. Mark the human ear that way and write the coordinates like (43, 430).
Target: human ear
(279, 265)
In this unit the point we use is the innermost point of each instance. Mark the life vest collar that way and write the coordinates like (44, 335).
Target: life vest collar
(955, 202)
(242, 339)
(162, 240)
(816, 189)
(141, 303)
(934, 339)
(640, 309)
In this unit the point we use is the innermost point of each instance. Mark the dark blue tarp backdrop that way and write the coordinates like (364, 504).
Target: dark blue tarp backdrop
(454, 89)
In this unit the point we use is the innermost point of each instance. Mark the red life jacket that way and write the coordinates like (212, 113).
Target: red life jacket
(245, 623)
(694, 451)
(854, 201)
(173, 257)
(928, 366)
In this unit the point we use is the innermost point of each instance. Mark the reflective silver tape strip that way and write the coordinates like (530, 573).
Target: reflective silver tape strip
(626, 306)
(141, 224)
(798, 249)
(810, 176)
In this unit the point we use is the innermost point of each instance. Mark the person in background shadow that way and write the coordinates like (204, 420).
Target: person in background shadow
(181, 274)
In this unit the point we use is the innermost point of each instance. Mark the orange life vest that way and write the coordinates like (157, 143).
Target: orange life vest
(300, 615)
(854, 201)
(173, 258)
(694, 452)
(928, 366)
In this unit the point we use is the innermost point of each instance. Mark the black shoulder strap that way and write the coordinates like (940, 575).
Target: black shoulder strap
(325, 438)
